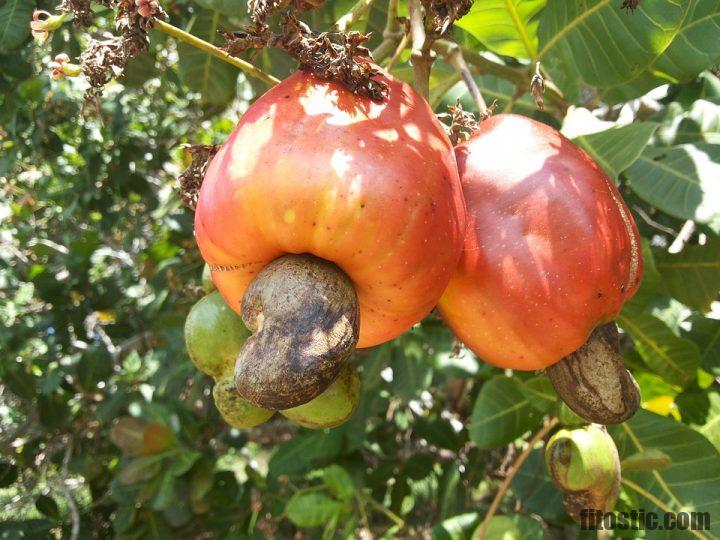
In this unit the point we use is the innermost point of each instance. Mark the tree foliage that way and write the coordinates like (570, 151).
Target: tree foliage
(107, 428)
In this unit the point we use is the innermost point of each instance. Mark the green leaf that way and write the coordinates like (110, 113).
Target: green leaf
(647, 460)
(515, 527)
(539, 392)
(15, 17)
(501, 413)
(181, 462)
(141, 469)
(596, 44)
(302, 452)
(507, 27)
(617, 148)
(675, 359)
(213, 78)
(8, 474)
(710, 414)
(311, 509)
(459, 527)
(339, 482)
(534, 488)
(47, 507)
(693, 275)
(691, 483)
(165, 495)
(412, 372)
(700, 124)
(681, 180)
(705, 333)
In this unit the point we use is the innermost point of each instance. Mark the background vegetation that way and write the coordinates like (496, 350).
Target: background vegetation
(106, 428)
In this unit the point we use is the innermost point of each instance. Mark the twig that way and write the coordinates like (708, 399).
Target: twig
(396, 55)
(72, 506)
(391, 35)
(455, 58)
(422, 57)
(519, 76)
(209, 48)
(511, 475)
(683, 236)
(345, 22)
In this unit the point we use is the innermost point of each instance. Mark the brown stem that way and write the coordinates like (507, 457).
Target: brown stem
(594, 382)
(396, 55)
(422, 56)
(391, 35)
(304, 315)
(511, 474)
(455, 58)
(520, 76)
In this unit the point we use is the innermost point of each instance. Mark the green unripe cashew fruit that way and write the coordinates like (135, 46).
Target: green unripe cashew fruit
(214, 335)
(206, 280)
(331, 408)
(235, 410)
(584, 463)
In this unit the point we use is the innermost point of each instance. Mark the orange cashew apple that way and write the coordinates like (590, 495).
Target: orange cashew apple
(368, 186)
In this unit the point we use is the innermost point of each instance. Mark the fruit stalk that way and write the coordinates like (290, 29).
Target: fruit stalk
(209, 48)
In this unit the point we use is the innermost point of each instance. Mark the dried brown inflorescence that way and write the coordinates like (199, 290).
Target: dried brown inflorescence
(462, 122)
(191, 179)
(443, 13)
(334, 56)
(106, 58)
(81, 10)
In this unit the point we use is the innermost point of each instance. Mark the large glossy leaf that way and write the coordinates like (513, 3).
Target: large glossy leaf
(682, 180)
(693, 275)
(700, 124)
(673, 358)
(711, 426)
(502, 413)
(617, 148)
(533, 487)
(690, 483)
(705, 333)
(15, 16)
(215, 80)
(595, 43)
(507, 27)
(311, 509)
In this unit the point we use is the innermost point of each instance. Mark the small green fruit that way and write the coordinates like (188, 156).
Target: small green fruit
(584, 463)
(214, 335)
(206, 281)
(235, 410)
(331, 408)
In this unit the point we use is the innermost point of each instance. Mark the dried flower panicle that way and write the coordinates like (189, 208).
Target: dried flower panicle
(260, 10)
(105, 59)
(191, 180)
(335, 56)
(462, 122)
(537, 87)
(443, 13)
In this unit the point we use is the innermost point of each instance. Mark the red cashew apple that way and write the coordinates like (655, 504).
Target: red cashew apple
(371, 186)
(551, 251)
